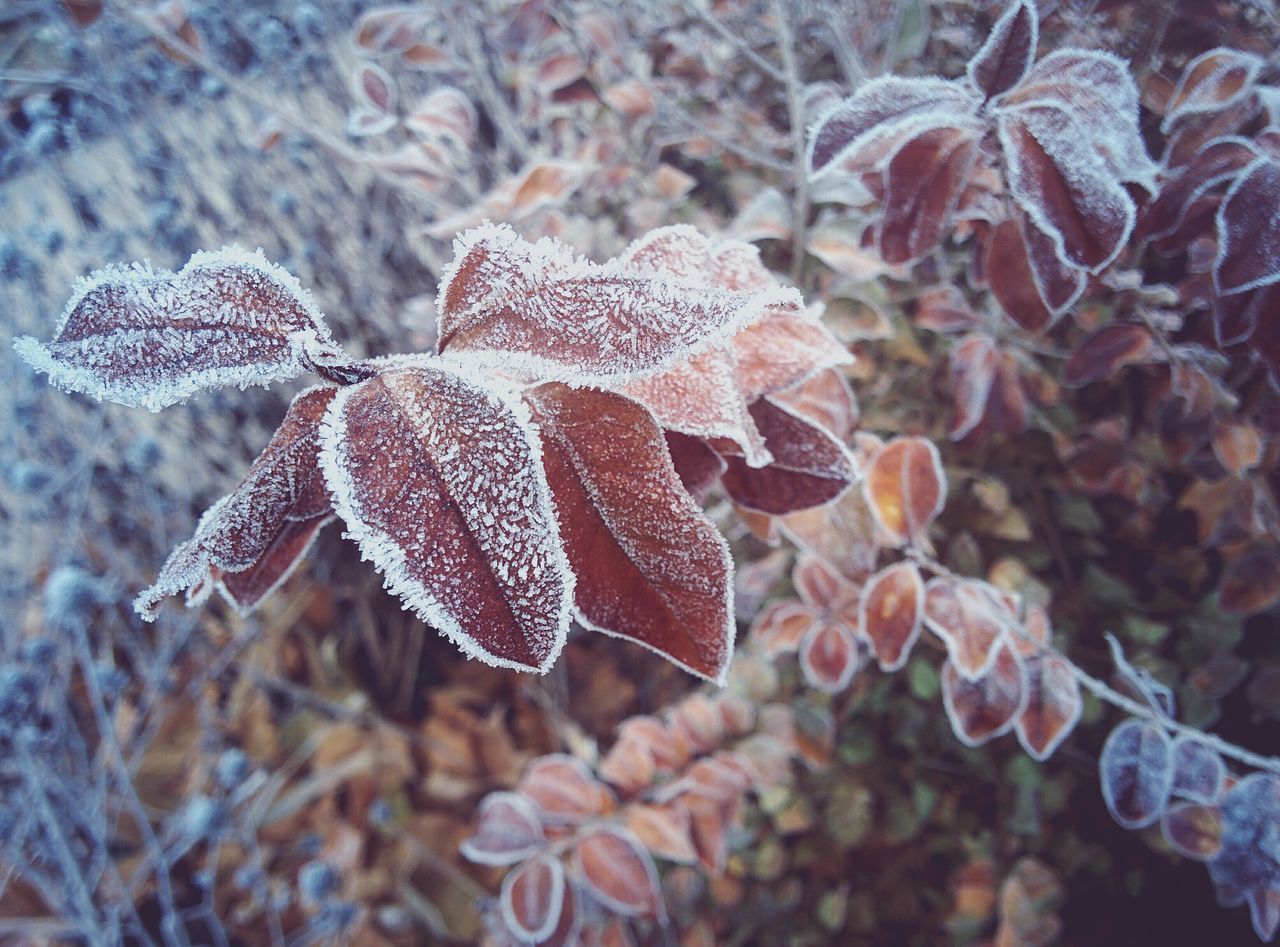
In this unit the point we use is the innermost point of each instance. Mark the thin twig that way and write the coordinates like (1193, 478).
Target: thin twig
(738, 43)
(795, 107)
(1103, 691)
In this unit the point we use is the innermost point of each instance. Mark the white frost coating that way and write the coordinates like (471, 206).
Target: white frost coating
(541, 543)
(889, 574)
(883, 109)
(1097, 195)
(1050, 678)
(991, 686)
(973, 375)
(136, 351)
(816, 679)
(1136, 766)
(552, 908)
(1202, 98)
(999, 38)
(1248, 224)
(599, 325)
(1098, 91)
(523, 838)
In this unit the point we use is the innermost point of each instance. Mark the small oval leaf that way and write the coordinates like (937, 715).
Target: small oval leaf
(1136, 767)
(619, 873)
(905, 486)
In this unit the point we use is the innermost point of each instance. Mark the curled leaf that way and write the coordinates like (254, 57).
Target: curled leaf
(532, 897)
(923, 180)
(1105, 351)
(457, 516)
(966, 615)
(1007, 54)
(1212, 82)
(151, 339)
(507, 831)
(251, 540)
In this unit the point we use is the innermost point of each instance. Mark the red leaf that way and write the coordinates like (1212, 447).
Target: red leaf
(967, 617)
(650, 566)
(664, 830)
(1249, 230)
(821, 588)
(890, 612)
(564, 790)
(781, 627)
(905, 487)
(1193, 830)
(532, 898)
(1028, 279)
(1105, 351)
(973, 373)
(1008, 52)
(440, 482)
(619, 873)
(697, 464)
(883, 111)
(944, 308)
(809, 467)
(150, 340)
(782, 350)
(1060, 182)
(1053, 704)
(251, 540)
(985, 707)
(842, 534)
(373, 87)
(1218, 161)
(923, 181)
(507, 831)
(543, 313)
(1211, 82)
(826, 399)
(444, 114)
(829, 657)
(1251, 582)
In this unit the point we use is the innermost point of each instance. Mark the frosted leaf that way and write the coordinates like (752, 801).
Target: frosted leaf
(547, 315)
(1060, 182)
(445, 114)
(906, 487)
(1264, 911)
(973, 373)
(829, 657)
(697, 464)
(985, 707)
(923, 180)
(679, 250)
(438, 476)
(822, 588)
(809, 467)
(151, 339)
(1198, 771)
(532, 897)
(1216, 163)
(1157, 695)
(619, 873)
(890, 613)
(1027, 277)
(1008, 52)
(736, 264)
(1250, 583)
(1193, 830)
(965, 615)
(666, 831)
(1250, 856)
(944, 308)
(569, 926)
(842, 533)
(373, 88)
(1249, 230)
(1105, 351)
(1096, 91)
(883, 111)
(564, 790)
(701, 398)
(1136, 767)
(783, 350)
(507, 831)
(780, 627)
(650, 566)
(249, 542)
(1211, 82)
(1054, 704)
(365, 122)
(826, 399)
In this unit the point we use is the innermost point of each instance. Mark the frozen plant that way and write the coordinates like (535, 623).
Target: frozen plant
(521, 476)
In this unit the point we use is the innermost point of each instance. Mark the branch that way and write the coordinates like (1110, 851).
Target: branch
(795, 107)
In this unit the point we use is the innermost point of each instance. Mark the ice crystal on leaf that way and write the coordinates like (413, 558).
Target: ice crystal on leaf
(498, 493)
(1039, 153)
(151, 339)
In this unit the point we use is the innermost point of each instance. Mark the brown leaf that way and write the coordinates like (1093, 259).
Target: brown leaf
(430, 445)
(251, 540)
(1251, 582)
(618, 872)
(532, 897)
(564, 790)
(890, 613)
(664, 830)
(984, 707)
(829, 657)
(905, 487)
(1105, 351)
(650, 566)
(923, 180)
(1237, 445)
(507, 830)
(967, 616)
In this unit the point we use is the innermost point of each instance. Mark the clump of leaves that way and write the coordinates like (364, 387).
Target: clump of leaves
(511, 482)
